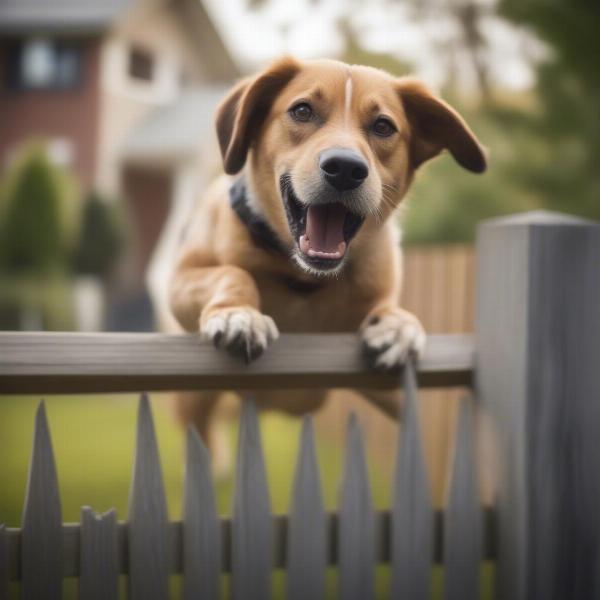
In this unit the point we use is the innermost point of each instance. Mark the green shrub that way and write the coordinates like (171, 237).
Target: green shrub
(34, 221)
(100, 240)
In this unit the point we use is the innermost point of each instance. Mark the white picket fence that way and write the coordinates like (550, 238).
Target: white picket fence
(533, 366)
(148, 548)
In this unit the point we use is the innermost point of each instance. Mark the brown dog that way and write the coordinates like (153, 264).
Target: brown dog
(300, 239)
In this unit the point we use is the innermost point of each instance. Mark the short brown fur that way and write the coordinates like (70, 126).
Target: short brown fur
(222, 275)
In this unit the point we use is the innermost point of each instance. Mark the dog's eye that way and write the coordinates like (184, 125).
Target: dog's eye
(301, 112)
(383, 127)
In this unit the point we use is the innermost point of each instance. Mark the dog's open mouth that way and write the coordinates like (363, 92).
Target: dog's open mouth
(322, 232)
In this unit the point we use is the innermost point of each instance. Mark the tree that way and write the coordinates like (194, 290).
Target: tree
(544, 142)
(33, 236)
(100, 240)
(569, 96)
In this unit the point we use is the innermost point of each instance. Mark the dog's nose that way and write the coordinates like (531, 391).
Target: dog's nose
(343, 169)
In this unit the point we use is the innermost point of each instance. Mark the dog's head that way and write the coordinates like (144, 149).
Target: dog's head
(332, 148)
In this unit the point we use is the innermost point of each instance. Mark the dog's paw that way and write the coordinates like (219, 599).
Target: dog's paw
(390, 338)
(242, 331)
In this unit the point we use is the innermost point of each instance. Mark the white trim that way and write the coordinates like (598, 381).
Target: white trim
(162, 89)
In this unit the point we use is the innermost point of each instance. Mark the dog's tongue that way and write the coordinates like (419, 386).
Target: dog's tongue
(325, 227)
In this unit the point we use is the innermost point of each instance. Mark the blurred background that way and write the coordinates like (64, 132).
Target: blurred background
(106, 139)
(106, 133)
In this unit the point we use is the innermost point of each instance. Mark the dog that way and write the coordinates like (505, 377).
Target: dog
(297, 235)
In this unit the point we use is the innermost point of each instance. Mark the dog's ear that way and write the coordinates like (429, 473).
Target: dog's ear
(242, 112)
(436, 126)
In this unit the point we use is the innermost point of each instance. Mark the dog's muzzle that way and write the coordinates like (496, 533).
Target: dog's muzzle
(321, 231)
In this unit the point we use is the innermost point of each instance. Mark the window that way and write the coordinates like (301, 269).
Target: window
(44, 64)
(38, 63)
(141, 64)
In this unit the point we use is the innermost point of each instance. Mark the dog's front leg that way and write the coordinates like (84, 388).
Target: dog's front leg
(223, 303)
(390, 335)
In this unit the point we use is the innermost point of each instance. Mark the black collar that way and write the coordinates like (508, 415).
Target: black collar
(263, 236)
(260, 231)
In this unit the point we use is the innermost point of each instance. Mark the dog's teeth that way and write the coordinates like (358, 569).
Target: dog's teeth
(320, 254)
(304, 243)
(305, 248)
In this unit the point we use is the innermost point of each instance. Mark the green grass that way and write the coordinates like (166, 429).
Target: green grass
(93, 439)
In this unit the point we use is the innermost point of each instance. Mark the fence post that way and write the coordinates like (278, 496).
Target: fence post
(538, 383)
(41, 533)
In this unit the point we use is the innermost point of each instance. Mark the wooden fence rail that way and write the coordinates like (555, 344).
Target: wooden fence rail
(47, 363)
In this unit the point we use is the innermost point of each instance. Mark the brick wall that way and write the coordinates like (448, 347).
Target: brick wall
(70, 114)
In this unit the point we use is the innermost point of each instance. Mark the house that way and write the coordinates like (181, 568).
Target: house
(123, 93)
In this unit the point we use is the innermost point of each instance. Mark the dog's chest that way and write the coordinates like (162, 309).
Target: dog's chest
(299, 306)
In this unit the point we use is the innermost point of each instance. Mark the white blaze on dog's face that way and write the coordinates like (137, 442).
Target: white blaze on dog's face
(332, 149)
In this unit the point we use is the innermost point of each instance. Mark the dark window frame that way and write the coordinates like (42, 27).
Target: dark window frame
(15, 77)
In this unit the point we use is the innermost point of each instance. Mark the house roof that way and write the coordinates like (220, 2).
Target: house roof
(19, 16)
(176, 131)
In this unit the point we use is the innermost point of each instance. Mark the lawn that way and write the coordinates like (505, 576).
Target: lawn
(93, 439)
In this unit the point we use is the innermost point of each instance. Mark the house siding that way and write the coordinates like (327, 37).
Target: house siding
(125, 103)
(70, 114)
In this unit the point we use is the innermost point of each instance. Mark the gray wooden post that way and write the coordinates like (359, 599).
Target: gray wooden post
(412, 516)
(307, 530)
(463, 522)
(251, 523)
(99, 555)
(538, 382)
(201, 533)
(356, 522)
(148, 531)
(41, 533)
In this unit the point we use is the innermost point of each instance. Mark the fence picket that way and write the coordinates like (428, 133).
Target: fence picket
(251, 552)
(41, 538)
(463, 525)
(307, 542)
(201, 530)
(99, 566)
(3, 563)
(412, 515)
(148, 526)
(356, 522)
